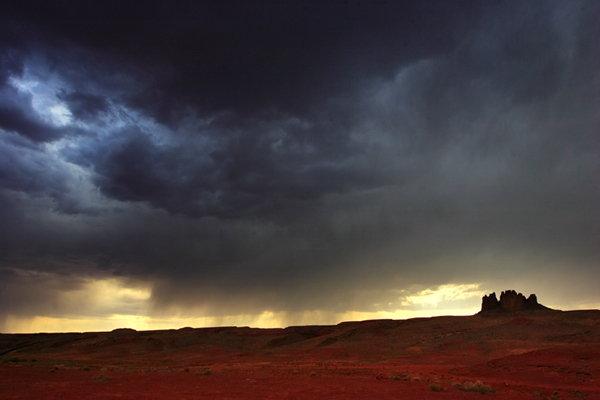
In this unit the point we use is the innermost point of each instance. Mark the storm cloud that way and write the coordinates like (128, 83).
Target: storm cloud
(237, 158)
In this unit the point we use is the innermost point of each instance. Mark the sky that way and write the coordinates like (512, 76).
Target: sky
(268, 163)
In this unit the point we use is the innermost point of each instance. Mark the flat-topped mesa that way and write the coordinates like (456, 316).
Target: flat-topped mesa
(510, 301)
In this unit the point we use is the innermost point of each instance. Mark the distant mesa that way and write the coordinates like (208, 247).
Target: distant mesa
(124, 331)
(510, 301)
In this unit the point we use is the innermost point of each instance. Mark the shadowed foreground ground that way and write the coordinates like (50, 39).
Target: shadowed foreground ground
(532, 355)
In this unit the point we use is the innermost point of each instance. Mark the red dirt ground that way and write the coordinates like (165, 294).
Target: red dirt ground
(538, 355)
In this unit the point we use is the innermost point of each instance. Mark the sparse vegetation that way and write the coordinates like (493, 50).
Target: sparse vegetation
(540, 395)
(205, 372)
(299, 365)
(578, 394)
(436, 388)
(476, 387)
(400, 377)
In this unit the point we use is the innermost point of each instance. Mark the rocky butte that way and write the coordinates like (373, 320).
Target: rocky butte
(510, 301)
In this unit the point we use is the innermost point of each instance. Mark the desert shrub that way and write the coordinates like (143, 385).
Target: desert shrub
(403, 377)
(577, 394)
(477, 387)
(540, 395)
(436, 388)
(455, 385)
(205, 372)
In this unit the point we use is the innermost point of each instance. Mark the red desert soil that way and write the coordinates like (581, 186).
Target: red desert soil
(532, 355)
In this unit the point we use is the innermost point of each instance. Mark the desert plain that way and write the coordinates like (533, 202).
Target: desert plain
(522, 355)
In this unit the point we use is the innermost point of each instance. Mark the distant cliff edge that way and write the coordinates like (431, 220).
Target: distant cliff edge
(510, 301)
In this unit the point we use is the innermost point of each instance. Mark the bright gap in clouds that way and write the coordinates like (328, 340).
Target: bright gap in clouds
(44, 100)
(107, 304)
(60, 114)
(442, 296)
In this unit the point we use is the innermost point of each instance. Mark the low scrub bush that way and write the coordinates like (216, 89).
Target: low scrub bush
(477, 387)
(436, 388)
(205, 372)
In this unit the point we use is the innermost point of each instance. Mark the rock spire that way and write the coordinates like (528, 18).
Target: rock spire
(510, 301)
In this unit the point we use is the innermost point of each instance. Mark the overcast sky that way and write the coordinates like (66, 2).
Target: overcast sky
(268, 163)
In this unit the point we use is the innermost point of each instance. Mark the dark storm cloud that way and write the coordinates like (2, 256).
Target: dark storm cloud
(273, 156)
(267, 167)
(84, 105)
(11, 63)
(17, 115)
(249, 57)
(25, 169)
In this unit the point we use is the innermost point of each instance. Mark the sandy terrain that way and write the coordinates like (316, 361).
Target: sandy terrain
(533, 355)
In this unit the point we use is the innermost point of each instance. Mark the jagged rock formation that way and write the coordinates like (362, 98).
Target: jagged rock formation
(510, 301)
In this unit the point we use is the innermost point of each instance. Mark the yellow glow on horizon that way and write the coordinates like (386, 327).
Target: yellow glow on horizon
(39, 324)
(111, 303)
(267, 319)
(107, 304)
